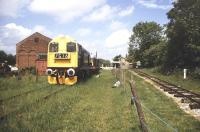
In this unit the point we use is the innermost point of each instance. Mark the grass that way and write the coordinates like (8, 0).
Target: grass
(177, 79)
(87, 106)
(153, 100)
(11, 87)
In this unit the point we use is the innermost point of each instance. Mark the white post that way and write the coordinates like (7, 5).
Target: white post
(184, 73)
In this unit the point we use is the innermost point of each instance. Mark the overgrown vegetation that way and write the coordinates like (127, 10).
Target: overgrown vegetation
(177, 79)
(153, 101)
(177, 47)
(146, 44)
(183, 31)
(88, 106)
(103, 62)
(117, 58)
(7, 57)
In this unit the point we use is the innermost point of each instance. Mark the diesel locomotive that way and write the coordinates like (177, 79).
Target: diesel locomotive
(68, 61)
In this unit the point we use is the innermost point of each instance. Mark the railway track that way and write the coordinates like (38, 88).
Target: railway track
(3, 117)
(193, 99)
(22, 94)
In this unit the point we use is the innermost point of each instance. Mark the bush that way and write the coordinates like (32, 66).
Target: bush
(196, 73)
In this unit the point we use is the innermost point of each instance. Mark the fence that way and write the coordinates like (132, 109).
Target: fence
(126, 77)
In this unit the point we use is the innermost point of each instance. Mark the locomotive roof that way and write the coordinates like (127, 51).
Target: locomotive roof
(68, 39)
(63, 38)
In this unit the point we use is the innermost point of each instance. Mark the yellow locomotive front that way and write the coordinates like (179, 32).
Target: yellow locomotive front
(62, 61)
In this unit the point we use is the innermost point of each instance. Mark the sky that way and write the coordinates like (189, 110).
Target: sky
(99, 25)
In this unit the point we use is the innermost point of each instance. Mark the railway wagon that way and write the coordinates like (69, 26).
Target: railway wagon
(67, 61)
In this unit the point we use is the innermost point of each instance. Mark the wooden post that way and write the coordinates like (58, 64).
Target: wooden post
(122, 81)
(19, 75)
(116, 73)
(36, 75)
(124, 78)
(120, 75)
(131, 76)
(138, 106)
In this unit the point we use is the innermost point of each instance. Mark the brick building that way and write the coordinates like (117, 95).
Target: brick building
(32, 51)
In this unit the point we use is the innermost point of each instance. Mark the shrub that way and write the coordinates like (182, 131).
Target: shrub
(196, 73)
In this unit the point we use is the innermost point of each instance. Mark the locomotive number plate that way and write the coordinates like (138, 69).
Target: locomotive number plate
(61, 56)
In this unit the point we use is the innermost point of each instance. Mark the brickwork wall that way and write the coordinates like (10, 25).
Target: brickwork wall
(28, 49)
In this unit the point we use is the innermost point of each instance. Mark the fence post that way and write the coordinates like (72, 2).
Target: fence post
(36, 75)
(138, 106)
(115, 70)
(124, 79)
(120, 76)
(131, 76)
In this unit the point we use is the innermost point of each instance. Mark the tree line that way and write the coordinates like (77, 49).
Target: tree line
(173, 46)
(11, 59)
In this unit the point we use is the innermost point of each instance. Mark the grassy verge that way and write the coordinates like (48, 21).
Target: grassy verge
(91, 106)
(88, 106)
(177, 79)
(153, 100)
(12, 86)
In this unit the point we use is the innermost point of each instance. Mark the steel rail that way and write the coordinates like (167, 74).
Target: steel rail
(176, 90)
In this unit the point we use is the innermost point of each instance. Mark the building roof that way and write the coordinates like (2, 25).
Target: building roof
(34, 34)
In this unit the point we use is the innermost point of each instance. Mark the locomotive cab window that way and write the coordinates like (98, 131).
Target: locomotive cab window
(53, 47)
(71, 47)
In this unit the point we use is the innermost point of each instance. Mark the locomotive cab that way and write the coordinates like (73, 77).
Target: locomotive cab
(62, 61)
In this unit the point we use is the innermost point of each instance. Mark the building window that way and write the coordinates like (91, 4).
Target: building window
(36, 40)
(42, 56)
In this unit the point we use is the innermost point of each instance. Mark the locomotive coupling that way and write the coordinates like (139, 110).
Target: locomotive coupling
(70, 72)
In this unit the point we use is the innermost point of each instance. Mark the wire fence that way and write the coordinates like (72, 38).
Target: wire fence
(124, 76)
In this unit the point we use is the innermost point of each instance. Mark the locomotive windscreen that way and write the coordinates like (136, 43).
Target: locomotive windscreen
(53, 47)
(71, 47)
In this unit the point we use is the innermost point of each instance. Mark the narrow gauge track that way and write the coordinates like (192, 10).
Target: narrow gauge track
(3, 117)
(22, 94)
(187, 96)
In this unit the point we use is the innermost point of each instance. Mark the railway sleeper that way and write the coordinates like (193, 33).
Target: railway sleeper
(185, 100)
(197, 99)
(162, 87)
(181, 91)
(175, 92)
(190, 95)
(194, 106)
(175, 89)
(178, 95)
(169, 86)
(172, 92)
(168, 90)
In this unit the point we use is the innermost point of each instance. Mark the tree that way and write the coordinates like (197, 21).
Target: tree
(7, 57)
(155, 55)
(183, 31)
(11, 59)
(131, 54)
(104, 62)
(145, 36)
(117, 58)
(3, 56)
